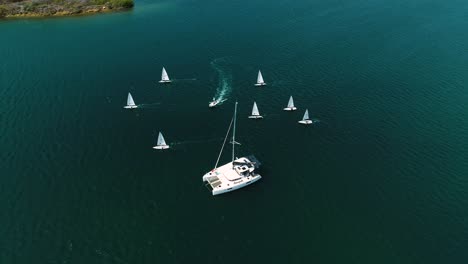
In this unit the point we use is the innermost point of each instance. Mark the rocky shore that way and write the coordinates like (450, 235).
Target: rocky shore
(50, 8)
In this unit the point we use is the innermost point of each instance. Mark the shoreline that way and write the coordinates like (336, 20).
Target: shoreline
(89, 12)
(14, 11)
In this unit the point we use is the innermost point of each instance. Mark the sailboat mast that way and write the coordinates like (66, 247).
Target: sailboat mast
(234, 134)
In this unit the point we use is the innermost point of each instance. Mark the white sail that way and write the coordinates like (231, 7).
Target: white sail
(130, 101)
(291, 102)
(161, 144)
(306, 115)
(161, 141)
(260, 78)
(164, 76)
(255, 110)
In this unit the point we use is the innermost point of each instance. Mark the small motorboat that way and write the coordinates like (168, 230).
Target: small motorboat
(214, 103)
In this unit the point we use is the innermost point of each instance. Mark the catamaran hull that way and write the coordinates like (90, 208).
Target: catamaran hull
(305, 122)
(255, 117)
(260, 84)
(161, 147)
(236, 187)
(290, 109)
(130, 107)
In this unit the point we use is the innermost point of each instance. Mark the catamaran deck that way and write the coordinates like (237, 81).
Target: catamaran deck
(233, 175)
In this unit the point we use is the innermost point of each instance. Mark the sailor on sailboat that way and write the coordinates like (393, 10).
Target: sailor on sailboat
(260, 81)
(164, 76)
(130, 103)
(236, 174)
(290, 106)
(161, 144)
(255, 112)
(305, 119)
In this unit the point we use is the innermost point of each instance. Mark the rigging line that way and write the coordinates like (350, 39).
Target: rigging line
(225, 138)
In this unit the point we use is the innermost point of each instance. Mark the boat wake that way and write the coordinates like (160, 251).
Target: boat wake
(315, 121)
(221, 66)
(184, 80)
(220, 102)
(152, 105)
(109, 256)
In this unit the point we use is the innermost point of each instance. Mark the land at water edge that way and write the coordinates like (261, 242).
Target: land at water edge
(47, 8)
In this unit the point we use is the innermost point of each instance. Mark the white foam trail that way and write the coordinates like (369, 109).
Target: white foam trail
(181, 80)
(148, 105)
(225, 78)
(315, 121)
(222, 101)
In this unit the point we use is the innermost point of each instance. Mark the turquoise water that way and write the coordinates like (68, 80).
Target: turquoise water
(382, 178)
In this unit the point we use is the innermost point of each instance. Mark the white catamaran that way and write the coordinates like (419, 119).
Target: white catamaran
(164, 76)
(305, 119)
(260, 81)
(290, 106)
(236, 174)
(161, 144)
(255, 112)
(130, 103)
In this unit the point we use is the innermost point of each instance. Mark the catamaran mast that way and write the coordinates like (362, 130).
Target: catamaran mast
(234, 134)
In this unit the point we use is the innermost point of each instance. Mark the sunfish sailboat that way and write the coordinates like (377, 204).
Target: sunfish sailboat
(164, 76)
(236, 174)
(161, 144)
(290, 106)
(255, 112)
(260, 81)
(305, 119)
(130, 103)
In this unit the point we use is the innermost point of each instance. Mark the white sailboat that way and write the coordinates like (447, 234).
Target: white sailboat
(130, 103)
(305, 119)
(255, 112)
(236, 174)
(161, 144)
(164, 76)
(290, 106)
(260, 81)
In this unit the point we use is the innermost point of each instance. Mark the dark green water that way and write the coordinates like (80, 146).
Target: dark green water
(383, 178)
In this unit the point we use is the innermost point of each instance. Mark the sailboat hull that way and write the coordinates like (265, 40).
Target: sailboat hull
(305, 122)
(260, 84)
(161, 147)
(290, 109)
(256, 117)
(130, 106)
(168, 81)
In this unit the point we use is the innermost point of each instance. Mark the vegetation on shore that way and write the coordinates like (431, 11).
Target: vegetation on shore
(44, 8)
